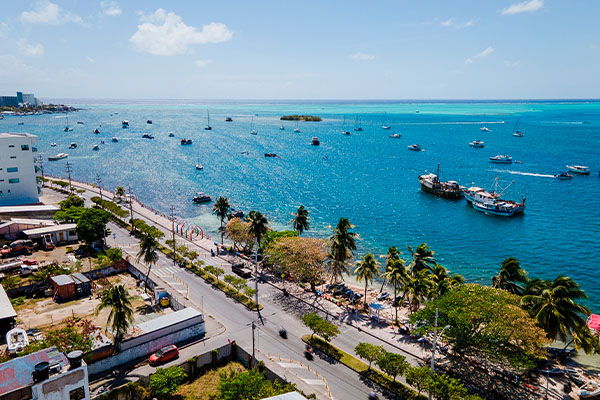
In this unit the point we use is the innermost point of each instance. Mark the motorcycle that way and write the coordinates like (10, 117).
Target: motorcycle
(308, 353)
(283, 332)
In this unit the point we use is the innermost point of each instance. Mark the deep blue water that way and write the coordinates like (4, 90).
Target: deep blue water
(367, 177)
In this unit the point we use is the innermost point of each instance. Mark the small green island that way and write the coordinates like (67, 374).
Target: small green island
(312, 118)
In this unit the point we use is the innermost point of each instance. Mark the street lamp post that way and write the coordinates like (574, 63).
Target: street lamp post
(435, 336)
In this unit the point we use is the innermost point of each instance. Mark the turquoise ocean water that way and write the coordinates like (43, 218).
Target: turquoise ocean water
(367, 176)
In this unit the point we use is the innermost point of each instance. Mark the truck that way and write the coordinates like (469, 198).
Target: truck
(17, 247)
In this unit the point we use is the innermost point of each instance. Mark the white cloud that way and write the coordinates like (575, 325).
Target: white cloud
(452, 23)
(526, 6)
(91, 60)
(448, 22)
(111, 8)
(165, 34)
(202, 63)
(362, 56)
(512, 64)
(30, 49)
(468, 23)
(46, 12)
(484, 53)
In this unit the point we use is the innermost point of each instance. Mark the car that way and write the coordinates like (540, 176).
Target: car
(164, 355)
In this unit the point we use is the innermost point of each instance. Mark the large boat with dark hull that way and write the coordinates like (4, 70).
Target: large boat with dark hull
(431, 183)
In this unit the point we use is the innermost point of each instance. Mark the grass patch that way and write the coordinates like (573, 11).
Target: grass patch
(362, 368)
(205, 386)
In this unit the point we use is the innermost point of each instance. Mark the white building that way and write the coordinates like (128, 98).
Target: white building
(18, 180)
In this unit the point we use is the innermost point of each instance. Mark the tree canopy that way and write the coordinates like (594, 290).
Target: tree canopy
(165, 381)
(320, 327)
(91, 226)
(239, 233)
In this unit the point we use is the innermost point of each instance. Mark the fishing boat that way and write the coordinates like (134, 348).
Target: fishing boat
(52, 144)
(518, 133)
(383, 125)
(185, 141)
(207, 127)
(114, 139)
(315, 141)
(73, 145)
(431, 183)
(579, 169)
(252, 130)
(171, 134)
(395, 136)
(237, 214)
(147, 136)
(501, 159)
(201, 197)
(589, 390)
(96, 131)
(95, 147)
(477, 143)
(149, 121)
(357, 125)
(57, 157)
(125, 124)
(563, 176)
(344, 130)
(16, 340)
(414, 147)
(228, 119)
(491, 202)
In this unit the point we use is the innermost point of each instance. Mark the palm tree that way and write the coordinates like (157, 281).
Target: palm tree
(396, 274)
(554, 308)
(121, 312)
(442, 282)
(258, 225)
(342, 245)
(367, 270)
(148, 253)
(509, 277)
(221, 208)
(120, 192)
(300, 221)
(422, 258)
(417, 287)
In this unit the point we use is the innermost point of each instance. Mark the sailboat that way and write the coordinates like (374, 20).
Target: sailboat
(67, 128)
(296, 129)
(252, 131)
(208, 127)
(518, 133)
(198, 165)
(344, 131)
(383, 125)
(357, 125)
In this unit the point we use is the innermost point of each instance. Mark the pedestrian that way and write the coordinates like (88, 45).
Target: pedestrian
(212, 253)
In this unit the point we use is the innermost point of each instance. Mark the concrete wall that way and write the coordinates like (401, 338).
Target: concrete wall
(13, 155)
(59, 387)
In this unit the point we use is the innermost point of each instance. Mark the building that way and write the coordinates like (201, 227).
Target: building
(21, 99)
(12, 229)
(7, 316)
(45, 375)
(18, 178)
(63, 288)
(60, 234)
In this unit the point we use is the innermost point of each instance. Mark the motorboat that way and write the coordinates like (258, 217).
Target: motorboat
(315, 141)
(149, 121)
(16, 340)
(201, 197)
(237, 214)
(102, 142)
(253, 132)
(491, 202)
(125, 124)
(395, 136)
(282, 128)
(345, 132)
(57, 157)
(431, 183)
(80, 122)
(270, 155)
(73, 145)
(579, 169)
(147, 136)
(114, 139)
(589, 390)
(414, 147)
(52, 144)
(297, 130)
(171, 134)
(95, 147)
(96, 131)
(228, 119)
(564, 176)
(199, 166)
(484, 129)
(501, 159)
(186, 141)
(67, 129)
(477, 143)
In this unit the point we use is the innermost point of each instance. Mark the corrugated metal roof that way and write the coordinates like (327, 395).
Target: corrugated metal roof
(81, 277)
(63, 279)
(288, 396)
(12, 209)
(50, 229)
(169, 319)
(6, 308)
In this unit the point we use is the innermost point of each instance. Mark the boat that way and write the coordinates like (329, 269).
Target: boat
(80, 122)
(57, 157)
(228, 119)
(67, 128)
(73, 145)
(501, 159)
(270, 155)
(282, 128)
(477, 143)
(16, 340)
(395, 136)
(171, 134)
(418, 111)
(186, 141)
(315, 141)
(518, 133)
(201, 197)
(575, 376)
(147, 136)
(431, 183)
(21, 123)
(207, 127)
(414, 147)
(589, 390)
(125, 124)
(491, 202)
(52, 144)
(252, 131)
(563, 176)
(383, 125)
(198, 165)
(102, 142)
(149, 121)
(296, 129)
(579, 169)
(95, 147)
(344, 130)
(96, 131)
(357, 125)
(484, 129)
(114, 139)
(237, 214)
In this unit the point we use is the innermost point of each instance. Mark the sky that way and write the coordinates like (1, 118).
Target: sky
(314, 49)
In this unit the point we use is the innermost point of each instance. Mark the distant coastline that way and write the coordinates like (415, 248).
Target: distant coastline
(310, 118)
(37, 110)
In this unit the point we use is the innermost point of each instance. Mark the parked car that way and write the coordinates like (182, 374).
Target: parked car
(164, 355)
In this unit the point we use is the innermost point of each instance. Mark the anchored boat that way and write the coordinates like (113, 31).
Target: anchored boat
(501, 159)
(579, 169)
(201, 197)
(491, 202)
(431, 183)
(477, 143)
(57, 157)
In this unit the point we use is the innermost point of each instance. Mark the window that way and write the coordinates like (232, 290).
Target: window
(13, 180)
(11, 145)
(13, 156)
(25, 147)
(77, 394)
(12, 169)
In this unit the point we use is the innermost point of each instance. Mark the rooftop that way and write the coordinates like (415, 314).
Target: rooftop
(169, 319)
(6, 308)
(287, 396)
(62, 280)
(17, 135)
(50, 229)
(27, 208)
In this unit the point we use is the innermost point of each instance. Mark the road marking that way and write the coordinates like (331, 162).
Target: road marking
(290, 365)
(314, 381)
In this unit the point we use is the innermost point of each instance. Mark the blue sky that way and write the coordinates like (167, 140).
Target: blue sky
(312, 49)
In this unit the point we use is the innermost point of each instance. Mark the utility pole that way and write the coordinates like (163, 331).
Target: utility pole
(68, 168)
(99, 183)
(41, 164)
(435, 337)
(253, 328)
(257, 276)
(131, 209)
(172, 208)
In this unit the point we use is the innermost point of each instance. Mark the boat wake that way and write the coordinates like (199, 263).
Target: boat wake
(453, 123)
(507, 171)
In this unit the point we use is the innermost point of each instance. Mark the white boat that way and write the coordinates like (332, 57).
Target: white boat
(589, 390)
(315, 141)
(383, 125)
(395, 136)
(114, 139)
(477, 143)
(125, 124)
(296, 129)
(518, 133)
(579, 169)
(484, 129)
(16, 340)
(491, 202)
(95, 147)
(207, 127)
(67, 128)
(198, 165)
(73, 145)
(282, 128)
(501, 159)
(414, 147)
(252, 130)
(57, 157)
(201, 197)
(52, 144)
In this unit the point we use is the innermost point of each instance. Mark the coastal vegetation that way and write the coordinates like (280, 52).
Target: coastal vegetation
(295, 117)
(148, 254)
(342, 244)
(91, 226)
(301, 220)
(320, 327)
(221, 208)
(120, 316)
(301, 258)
